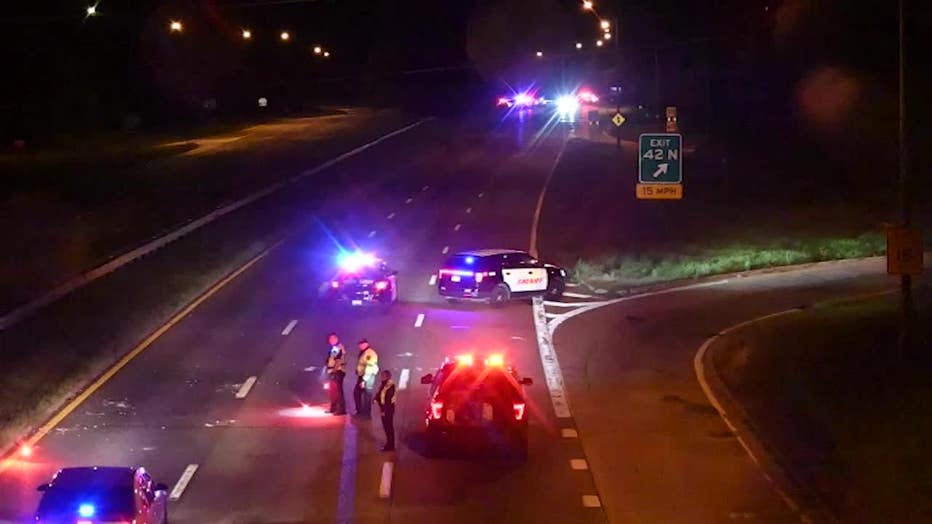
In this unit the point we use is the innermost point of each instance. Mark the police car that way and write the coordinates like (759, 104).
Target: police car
(362, 279)
(476, 400)
(497, 276)
(102, 494)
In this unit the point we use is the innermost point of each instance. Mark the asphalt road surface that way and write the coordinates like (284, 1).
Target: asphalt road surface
(661, 456)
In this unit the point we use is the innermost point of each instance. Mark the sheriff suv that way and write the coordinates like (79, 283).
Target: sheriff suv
(497, 276)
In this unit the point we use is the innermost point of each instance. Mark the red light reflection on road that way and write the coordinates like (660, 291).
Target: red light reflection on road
(305, 411)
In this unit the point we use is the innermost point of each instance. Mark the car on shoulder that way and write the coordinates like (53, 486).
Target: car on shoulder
(92, 495)
(498, 276)
(472, 400)
(362, 279)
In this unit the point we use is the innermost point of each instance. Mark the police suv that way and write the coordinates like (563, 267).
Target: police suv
(497, 276)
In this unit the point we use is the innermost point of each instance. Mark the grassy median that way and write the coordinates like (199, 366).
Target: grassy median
(847, 410)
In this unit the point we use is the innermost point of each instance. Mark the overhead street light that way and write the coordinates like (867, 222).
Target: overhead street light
(578, 45)
(247, 34)
(587, 4)
(91, 10)
(607, 36)
(318, 50)
(539, 54)
(285, 36)
(175, 26)
(598, 43)
(326, 54)
(605, 24)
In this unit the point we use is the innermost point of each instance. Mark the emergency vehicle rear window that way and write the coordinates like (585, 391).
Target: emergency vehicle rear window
(467, 262)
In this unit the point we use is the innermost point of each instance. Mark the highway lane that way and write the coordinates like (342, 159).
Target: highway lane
(662, 453)
(264, 458)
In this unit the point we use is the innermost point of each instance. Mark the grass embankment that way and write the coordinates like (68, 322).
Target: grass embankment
(847, 410)
(638, 269)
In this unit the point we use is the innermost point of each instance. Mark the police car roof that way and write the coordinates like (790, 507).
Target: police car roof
(489, 252)
(108, 476)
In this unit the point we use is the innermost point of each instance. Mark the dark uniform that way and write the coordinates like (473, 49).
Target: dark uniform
(385, 398)
(336, 362)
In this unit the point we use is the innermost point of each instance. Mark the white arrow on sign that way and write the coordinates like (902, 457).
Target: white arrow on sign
(661, 170)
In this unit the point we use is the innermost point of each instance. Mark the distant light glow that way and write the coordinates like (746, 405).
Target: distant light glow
(175, 26)
(470, 260)
(578, 45)
(318, 50)
(540, 54)
(326, 54)
(567, 104)
(495, 361)
(523, 99)
(247, 34)
(605, 24)
(25, 450)
(607, 36)
(587, 4)
(598, 43)
(91, 10)
(285, 35)
(355, 260)
(87, 510)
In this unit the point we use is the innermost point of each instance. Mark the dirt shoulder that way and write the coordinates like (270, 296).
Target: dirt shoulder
(845, 411)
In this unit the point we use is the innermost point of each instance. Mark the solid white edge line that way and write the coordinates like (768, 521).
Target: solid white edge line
(403, 378)
(183, 482)
(419, 321)
(289, 328)
(577, 295)
(385, 484)
(552, 315)
(548, 359)
(83, 279)
(244, 389)
(432, 281)
(445, 250)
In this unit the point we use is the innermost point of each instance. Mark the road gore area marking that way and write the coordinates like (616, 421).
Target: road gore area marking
(183, 482)
(244, 389)
(548, 359)
(404, 378)
(579, 464)
(432, 281)
(591, 501)
(569, 433)
(385, 484)
(445, 250)
(289, 327)
(419, 321)
(142, 346)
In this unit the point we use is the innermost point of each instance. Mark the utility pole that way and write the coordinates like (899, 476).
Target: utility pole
(906, 291)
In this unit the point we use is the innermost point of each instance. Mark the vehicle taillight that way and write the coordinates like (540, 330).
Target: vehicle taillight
(496, 361)
(519, 410)
(381, 285)
(436, 410)
(334, 284)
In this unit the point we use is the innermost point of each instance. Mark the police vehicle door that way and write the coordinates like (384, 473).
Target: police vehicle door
(524, 275)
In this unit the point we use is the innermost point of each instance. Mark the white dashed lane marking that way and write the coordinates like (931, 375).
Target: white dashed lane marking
(409, 200)
(457, 227)
(425, 188)
(432, 281)
(480, 195)
(390, 216)
(385, 484)
(244, 389)
(371, 233)
(468, 210)
(403, 378)
(445, 250)
(289, 327)
(420, 320)
(183, 482)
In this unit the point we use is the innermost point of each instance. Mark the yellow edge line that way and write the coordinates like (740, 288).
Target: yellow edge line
(120, 364)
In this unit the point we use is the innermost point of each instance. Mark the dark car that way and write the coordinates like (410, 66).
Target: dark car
(472, 400)
(497, 276)
(363, 280)
(94, 495)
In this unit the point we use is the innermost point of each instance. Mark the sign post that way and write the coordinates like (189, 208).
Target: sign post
(618, 119)
(660, 166)
(904, 251)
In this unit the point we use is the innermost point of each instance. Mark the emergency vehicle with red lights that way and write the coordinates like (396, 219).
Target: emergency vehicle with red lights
(362, 279)
(497, 276)
(475, 399)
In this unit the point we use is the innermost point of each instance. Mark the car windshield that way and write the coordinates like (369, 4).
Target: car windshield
(106, 500)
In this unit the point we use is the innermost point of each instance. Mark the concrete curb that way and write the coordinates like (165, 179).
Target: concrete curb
(66, 288)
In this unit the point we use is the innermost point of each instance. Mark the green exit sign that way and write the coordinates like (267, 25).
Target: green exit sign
(660, 158)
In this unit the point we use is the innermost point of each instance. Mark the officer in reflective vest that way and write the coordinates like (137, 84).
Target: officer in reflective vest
(367, 370)
(336, 362)
(385, 398)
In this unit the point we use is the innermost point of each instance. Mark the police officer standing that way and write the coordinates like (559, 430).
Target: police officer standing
(336, 363)
(385, 398)
(367, 370)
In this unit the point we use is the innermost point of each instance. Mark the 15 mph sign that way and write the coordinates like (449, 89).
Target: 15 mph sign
(660, 166)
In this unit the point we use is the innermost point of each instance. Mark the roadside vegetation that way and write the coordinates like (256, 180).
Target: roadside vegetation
(844, 406)
(625, 270)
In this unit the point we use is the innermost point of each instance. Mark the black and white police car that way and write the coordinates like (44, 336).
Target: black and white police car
(497, 276)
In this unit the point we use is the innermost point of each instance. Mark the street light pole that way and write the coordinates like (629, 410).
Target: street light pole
(906, 291)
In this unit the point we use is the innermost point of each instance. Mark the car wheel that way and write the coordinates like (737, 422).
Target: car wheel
(556, 288)
(500, 296)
